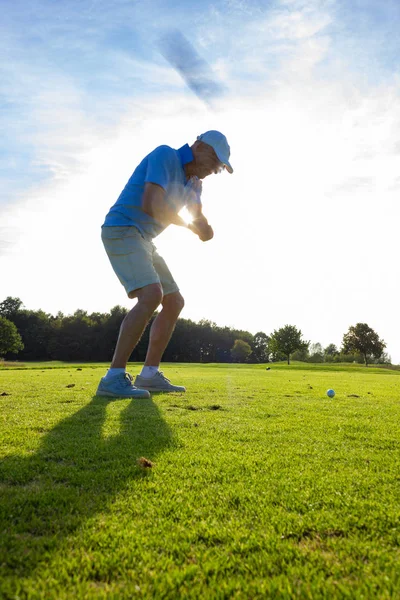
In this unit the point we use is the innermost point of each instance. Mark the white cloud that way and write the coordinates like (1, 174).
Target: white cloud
(296, 25)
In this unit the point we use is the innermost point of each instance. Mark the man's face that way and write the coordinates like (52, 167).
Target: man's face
(206, 161)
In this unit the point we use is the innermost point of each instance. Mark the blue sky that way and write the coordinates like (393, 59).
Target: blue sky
(312, 115)
(93, 49)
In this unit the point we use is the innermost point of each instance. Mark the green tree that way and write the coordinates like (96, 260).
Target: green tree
(241, 351)
(344, 357)
(10, 306)
(302, 355)
(10, 340)
(385, 359)
(286, 340)
(78, 338)
(363, 339)
(316, 353)
(36, 329)
(260, 348)
(203, 342)
(330, 352)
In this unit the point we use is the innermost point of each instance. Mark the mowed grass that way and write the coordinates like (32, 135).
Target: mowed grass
(261, 486)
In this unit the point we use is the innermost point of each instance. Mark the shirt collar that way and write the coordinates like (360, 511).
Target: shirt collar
(185, 154)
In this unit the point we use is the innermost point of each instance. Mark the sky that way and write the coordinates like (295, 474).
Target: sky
(306, 228)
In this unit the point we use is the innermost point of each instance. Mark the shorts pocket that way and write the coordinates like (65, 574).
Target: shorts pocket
(115, 233)
(116, 240)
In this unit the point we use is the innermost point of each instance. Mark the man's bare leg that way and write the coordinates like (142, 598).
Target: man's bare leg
(132, 327)
(163, 327)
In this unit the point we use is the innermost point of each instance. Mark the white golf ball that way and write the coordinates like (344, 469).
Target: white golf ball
(330, 393)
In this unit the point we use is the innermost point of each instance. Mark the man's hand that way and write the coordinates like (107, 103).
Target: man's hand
(200, 227)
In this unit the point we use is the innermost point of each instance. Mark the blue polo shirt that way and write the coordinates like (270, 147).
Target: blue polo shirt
(163, 166)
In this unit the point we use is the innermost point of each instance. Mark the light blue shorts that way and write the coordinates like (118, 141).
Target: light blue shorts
(135, 260)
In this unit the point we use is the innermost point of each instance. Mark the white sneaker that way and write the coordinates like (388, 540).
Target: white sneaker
(120, 386)
(158, 383)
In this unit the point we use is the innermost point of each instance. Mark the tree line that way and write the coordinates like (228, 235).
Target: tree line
(38, 336)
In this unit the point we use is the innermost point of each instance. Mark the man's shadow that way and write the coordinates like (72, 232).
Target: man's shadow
(74, 474)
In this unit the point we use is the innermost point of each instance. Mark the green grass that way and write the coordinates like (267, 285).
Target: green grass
(262, 487)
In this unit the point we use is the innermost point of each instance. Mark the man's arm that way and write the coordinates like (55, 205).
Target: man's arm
(200, 227)
(154, 204)
(199, 224)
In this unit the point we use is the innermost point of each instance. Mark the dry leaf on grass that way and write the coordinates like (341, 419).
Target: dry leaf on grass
(145, 463)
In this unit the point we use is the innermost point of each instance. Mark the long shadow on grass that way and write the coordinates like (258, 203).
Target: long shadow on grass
(74, 474)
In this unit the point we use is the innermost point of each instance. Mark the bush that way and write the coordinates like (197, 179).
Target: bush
(10, 340)
(241, 351)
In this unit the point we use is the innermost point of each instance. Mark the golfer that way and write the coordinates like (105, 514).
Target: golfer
(164, 182)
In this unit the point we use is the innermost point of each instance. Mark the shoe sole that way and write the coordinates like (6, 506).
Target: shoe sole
(155, 389)
(111, 395)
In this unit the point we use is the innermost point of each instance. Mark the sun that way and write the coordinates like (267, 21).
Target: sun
(186, 216)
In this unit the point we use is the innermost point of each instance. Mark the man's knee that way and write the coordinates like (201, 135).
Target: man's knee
(173, 302)
(151, 296)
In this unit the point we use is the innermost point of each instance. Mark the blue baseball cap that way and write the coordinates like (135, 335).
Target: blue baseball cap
(219, 143)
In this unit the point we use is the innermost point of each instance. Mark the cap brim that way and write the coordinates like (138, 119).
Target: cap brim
(226, 163)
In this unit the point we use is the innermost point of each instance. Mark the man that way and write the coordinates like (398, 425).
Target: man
(165, 181)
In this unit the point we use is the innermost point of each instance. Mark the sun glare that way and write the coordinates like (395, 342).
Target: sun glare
(186, 216)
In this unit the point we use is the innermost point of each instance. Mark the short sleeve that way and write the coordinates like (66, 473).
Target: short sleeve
(159, 166)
